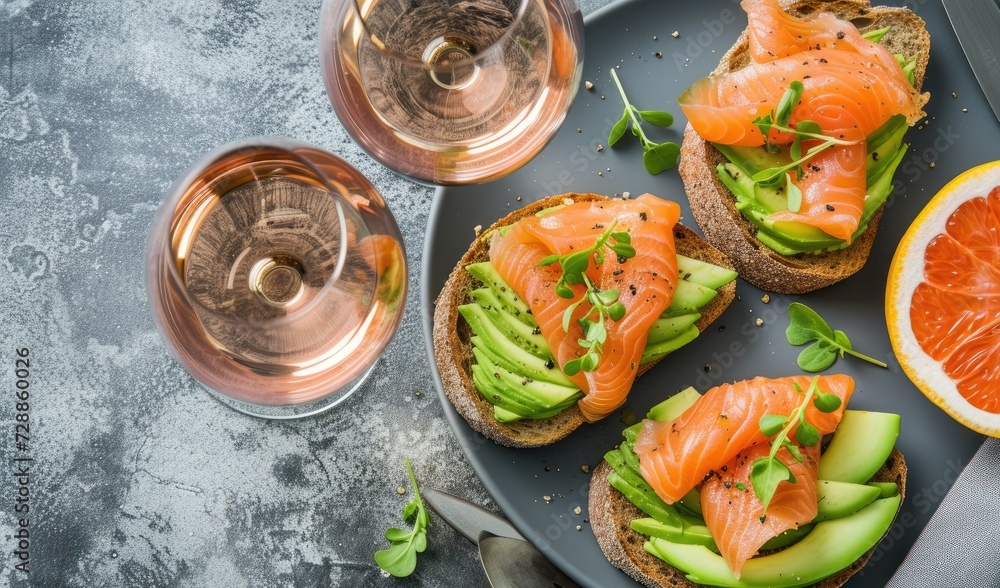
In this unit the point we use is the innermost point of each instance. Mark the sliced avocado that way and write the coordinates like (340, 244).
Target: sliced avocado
(487, 274)
(830, 547)
(645, 499)
(755, 159)
(757, 203)
(486, 386)
(688, 298)
(524, 336)
(839, 499)
(506, 416)
(860, 446)
(484, 326)
(787, 538)
(658, 350)
(703, 273)
(686, 534)
(531, 393)
(884, 143)
(667, 328)
(675, 406)
(886, 489)
(692, 501)
(513, 358)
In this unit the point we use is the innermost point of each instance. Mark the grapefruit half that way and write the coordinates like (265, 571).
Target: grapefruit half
(943, 299)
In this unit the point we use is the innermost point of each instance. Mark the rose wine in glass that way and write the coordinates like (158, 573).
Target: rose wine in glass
(277, 276)
(451, 91)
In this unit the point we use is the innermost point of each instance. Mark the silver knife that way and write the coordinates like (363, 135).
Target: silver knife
(508, 560)
(977, 23)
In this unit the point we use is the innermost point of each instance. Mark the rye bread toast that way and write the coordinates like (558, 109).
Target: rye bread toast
(453, 347)
(611, 515)
(714, 206)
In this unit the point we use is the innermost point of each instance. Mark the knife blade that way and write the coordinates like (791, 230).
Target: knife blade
(508, 560)
(471, 520)
(976, 23)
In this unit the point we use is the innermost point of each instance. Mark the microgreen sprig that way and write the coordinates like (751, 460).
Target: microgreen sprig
(806, 325)
(575, 264)
(778, 120)
(400, 559)
(603, 302)
(767, 472)
(656, 157)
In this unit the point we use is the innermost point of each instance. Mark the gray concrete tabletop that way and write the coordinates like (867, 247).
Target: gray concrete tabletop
(138, 477)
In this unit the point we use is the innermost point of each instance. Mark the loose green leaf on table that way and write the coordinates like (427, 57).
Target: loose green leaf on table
(805, 326)
(656, 157)
(400, 559)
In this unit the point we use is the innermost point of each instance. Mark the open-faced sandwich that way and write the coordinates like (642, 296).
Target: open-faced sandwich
(556, 308)
(735, 488)
(793, 140)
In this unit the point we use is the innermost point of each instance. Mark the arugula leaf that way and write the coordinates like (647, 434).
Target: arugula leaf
(656, 157)
(804, 326)
(400, 559)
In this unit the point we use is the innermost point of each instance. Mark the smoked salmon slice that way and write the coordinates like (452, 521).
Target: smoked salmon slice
(675, 456)
(773, 33)
(833, 191)
(848, 95)
(736, 517)
(645, 282)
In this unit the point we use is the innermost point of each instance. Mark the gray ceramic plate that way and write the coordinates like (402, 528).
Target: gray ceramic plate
(622, 35)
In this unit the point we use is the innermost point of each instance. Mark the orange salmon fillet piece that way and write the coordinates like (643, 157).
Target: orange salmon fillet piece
(848, 95)
(833, 191)
(646, 283)
(735, 517)
(675, 456)
(774, 33)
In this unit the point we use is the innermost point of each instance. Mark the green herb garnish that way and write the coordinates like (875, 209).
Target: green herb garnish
(806, 325)
(400, 559)
(656, 157)
(767, 472)
(604, 302)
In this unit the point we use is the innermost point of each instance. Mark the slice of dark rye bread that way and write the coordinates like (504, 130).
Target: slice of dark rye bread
(611, 515)
(714, 206)
(453, 346)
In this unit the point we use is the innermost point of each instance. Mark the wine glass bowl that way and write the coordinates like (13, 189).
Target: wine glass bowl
(451, 91)
(277, 275)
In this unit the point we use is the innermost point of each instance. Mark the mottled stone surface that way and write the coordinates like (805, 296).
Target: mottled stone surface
(139, 477)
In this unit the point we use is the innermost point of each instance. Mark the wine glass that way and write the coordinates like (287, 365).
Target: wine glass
(277, 276)
(451, 91)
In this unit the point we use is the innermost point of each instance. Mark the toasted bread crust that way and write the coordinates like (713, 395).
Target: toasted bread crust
(453, 347)
(611, 515)
(713, 205)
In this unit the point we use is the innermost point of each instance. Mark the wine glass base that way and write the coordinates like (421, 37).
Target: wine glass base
(295, 411)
